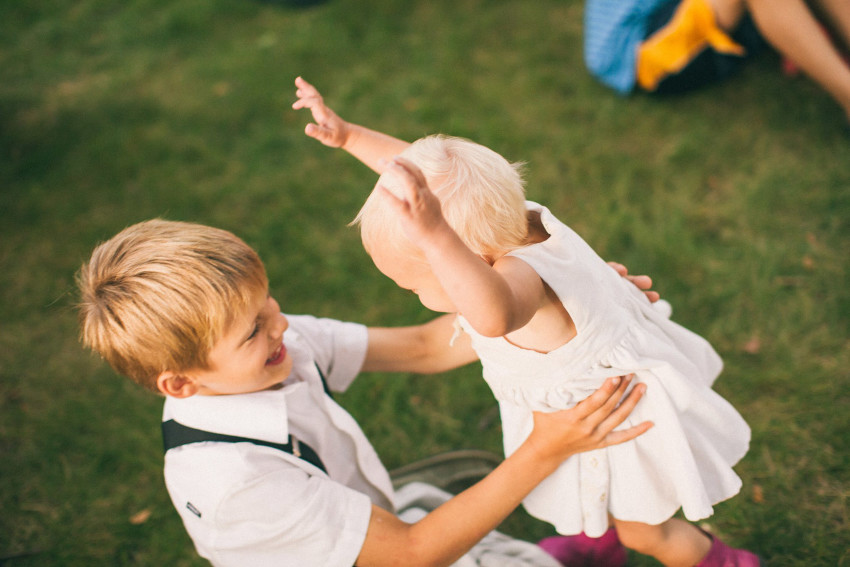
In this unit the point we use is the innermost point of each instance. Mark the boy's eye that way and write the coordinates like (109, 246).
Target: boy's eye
(254, 332)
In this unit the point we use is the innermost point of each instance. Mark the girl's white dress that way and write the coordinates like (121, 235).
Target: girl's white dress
(685, 461)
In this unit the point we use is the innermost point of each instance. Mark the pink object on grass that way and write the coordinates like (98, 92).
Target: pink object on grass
(721, 555)
(583, 551)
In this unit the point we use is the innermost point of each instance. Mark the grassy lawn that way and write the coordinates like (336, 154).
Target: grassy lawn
(736, 199)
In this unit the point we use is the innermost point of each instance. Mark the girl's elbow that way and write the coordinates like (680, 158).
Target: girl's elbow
(495, 327)
(493, 331)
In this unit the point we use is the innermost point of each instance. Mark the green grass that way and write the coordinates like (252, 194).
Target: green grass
(736, 199)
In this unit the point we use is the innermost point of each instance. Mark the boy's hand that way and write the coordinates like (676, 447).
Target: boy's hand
(643, 283)
(591, 424)
(417, 205)
(329, 129)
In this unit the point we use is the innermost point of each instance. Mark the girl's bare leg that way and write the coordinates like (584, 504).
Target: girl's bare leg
(675, 543)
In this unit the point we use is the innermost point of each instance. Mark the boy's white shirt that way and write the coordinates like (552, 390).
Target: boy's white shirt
(256, 510)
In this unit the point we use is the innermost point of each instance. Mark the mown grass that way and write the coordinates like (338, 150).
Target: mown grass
(735, 199)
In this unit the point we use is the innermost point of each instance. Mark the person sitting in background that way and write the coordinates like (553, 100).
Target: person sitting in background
(662, 46)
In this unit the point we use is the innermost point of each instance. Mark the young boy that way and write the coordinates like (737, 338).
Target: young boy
(184, 310)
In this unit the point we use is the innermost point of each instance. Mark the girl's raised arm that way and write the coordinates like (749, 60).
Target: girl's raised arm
(367, 145)
(494, 301)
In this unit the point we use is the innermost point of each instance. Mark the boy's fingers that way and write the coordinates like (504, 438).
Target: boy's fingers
(643, 282)
(617, 437)
(619, 268)
(619, 415)
(605, 395)
(608, 411)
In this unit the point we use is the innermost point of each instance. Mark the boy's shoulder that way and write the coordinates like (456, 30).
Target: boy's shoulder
(338, 348)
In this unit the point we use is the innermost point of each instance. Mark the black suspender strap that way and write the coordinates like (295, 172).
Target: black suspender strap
(175, 434)
(324, 381)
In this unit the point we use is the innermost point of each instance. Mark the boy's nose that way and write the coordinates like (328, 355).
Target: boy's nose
(280, 325)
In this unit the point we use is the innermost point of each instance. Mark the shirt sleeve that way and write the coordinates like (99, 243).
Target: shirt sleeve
(338, 347)
(287, 517)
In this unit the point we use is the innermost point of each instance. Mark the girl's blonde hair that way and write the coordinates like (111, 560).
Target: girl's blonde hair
(158, 295)
(481, 193)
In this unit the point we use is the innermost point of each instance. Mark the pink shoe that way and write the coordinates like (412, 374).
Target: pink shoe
(721, 555)
(583, 551)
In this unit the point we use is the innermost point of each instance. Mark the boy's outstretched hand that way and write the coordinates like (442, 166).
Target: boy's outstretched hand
(592, 423)
(329, 129)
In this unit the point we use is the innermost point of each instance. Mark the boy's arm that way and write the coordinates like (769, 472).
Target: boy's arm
(367, 145)
(423, 349)
(494, 299)
(451, 530)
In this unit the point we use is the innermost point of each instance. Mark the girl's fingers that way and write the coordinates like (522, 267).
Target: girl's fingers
(304, 85)
(411, 169)
(407, 176)
(316, 131)
(400, 205)
(313, 103)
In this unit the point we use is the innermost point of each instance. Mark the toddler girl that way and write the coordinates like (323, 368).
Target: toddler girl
(550, 321)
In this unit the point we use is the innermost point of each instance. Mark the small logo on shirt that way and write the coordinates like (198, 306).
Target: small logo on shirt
(192, 509)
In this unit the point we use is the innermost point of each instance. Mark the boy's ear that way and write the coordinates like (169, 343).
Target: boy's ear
(176, 384)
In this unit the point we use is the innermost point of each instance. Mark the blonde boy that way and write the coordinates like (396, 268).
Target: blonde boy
(184, 310)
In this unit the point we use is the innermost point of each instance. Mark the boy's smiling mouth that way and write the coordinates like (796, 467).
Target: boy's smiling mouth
(278, 356)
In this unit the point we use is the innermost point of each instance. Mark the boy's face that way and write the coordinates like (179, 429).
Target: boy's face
(250, 356)
(413, 274)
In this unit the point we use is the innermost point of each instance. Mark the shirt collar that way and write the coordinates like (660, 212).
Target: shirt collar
(256, 415)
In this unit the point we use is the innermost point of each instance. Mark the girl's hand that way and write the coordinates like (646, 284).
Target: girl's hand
(329, 129)
(416, 205)
(589, 425)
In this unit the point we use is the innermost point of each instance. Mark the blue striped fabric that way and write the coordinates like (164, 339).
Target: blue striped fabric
(613, 31)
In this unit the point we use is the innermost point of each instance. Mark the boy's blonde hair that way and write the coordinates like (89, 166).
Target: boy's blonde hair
(481, 193)
(159, 294)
